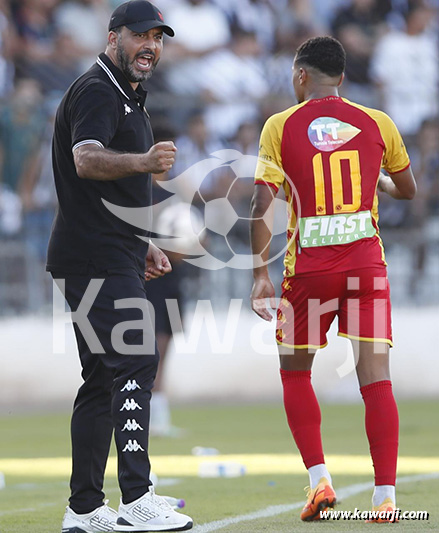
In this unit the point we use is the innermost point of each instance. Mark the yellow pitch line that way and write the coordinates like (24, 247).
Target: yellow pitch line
(256, 464)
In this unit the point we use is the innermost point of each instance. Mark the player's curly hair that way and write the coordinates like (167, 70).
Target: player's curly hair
(323, 53)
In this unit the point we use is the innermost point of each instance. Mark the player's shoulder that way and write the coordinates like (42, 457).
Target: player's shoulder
(282, 116)
(278, 119)
(376, 114)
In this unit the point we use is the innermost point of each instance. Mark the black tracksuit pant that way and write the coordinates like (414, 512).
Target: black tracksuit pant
(116, 392)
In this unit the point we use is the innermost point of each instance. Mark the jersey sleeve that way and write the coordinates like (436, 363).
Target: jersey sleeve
(269, 168)
(395, 157)
(94, 115)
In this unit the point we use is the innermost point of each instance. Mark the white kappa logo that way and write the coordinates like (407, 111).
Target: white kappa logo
(143, 513)
(128, 109)
(192, 229)
(102, 523)
(130, 386)
(132, 425)
(130, 405)
(133, 446)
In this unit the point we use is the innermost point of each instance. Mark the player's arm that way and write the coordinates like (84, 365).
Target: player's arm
(261, 236)
(401, 186)
(269, 175)
(97, 163)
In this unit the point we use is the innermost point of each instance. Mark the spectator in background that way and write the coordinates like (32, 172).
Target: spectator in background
(195, 145)
(38, 198)
(56, 75)
(200, 28)
(10, 213)
(7, 49)
(246, 139)
(301, 13)
(426, 202)
(323, 12)
(358, 27)
(169, 221)
(36, 31)
(290, 33)
(405, 68)
(246, 142)
(256, 16)
(395, 11)
(21, 123)
(157, 292)
(233, 82)
(20, 130)
(84, 21)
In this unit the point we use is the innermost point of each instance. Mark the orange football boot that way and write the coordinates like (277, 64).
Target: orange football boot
(319, 499)
(388, 510)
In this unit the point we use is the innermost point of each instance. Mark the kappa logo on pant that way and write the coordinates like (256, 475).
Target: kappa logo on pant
(130, 385)
(132, 446)
(132, 425)
(130, 405)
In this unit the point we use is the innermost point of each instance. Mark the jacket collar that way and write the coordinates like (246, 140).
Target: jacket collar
(120, 81)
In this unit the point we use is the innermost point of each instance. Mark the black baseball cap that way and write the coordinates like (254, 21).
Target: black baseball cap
(138, 16)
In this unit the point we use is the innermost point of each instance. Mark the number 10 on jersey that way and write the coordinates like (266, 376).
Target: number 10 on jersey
(335, 162)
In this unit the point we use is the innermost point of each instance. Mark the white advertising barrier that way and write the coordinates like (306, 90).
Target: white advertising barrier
(222, 356)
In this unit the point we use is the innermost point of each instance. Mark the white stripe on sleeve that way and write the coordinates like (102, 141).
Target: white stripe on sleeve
(87, 141)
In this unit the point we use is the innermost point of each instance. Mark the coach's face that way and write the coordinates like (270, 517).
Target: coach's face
(137, 54)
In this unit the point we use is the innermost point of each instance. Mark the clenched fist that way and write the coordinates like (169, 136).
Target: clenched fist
(160, 157)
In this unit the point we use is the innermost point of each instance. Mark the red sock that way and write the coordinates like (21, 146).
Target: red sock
(382, 428)
(303, 415)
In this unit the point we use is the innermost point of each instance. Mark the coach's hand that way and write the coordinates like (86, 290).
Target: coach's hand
(160, 157)
(157, 263)
(263, 288)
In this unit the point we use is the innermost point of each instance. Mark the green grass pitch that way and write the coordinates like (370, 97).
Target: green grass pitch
(36, 489)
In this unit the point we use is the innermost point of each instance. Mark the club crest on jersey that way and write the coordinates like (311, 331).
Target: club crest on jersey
(328, 133)
(127, 109)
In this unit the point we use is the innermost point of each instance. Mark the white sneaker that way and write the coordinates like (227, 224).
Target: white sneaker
(101, 520)
(151, 513)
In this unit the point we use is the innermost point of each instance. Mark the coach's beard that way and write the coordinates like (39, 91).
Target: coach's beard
(126, 66)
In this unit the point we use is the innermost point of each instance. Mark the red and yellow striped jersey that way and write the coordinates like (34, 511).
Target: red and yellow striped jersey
(327, 154)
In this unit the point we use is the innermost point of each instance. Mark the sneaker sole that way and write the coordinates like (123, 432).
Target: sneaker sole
(129, 529)
(324, 504)
(73, 530)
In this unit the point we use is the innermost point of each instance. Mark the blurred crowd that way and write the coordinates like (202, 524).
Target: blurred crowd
(227, 69)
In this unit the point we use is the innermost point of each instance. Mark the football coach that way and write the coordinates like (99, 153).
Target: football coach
(103, 150)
